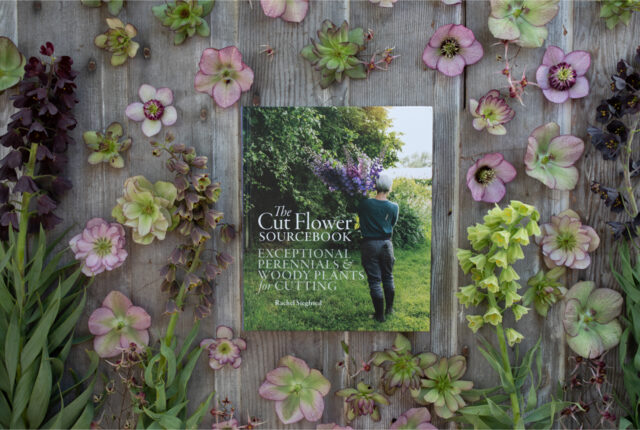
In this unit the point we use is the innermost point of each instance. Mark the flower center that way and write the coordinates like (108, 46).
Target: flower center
(485, 175)
(224, 348)
(102, 246)
(562, 76)
(566, 241)
(153, 109)
(449, 48)
(121, 324)
(297, 388)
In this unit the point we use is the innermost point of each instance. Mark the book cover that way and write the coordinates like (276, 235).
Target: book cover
(337, 218)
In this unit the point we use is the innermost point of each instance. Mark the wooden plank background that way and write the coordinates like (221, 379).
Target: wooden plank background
(286, 80)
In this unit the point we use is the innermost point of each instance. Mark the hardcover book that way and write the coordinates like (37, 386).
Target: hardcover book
(337, 218)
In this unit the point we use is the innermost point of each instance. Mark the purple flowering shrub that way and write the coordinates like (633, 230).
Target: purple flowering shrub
(356, 176)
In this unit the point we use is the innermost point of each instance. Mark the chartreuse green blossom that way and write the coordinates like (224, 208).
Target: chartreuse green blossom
(496, 246)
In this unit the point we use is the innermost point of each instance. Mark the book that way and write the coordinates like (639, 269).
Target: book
(337, 218)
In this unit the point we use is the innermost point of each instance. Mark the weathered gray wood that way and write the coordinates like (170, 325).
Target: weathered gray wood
(285, 80)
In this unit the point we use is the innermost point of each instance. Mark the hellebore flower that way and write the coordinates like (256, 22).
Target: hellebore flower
(487, 177)
(362, 400)
(491, 112)
(231, 424)
(11, 64)
(561, 76)
(332, 426)
(154, 111)
(401, 368)
(550, 157)
(185, 18)
(288, 10)
(146, 208)
(223, 75)
(452, 47)
(335, 53)
(565, 241)
(118, 324)
(442, 386)
(522, 21)
(414, 419)
(99, 247)
(297, 390)
(224, 349)
(107, 146)
(545, 290)
(590, 319)
(113, 6)
(118, 41)
(618, 11)
(384, 3)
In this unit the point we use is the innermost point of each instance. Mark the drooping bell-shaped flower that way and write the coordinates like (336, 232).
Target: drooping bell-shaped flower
(491, 112)
(590, 319)
(99, 247)
(223, 75)
(550, 157)
(561, 76)
(287, 10)
(451, 48)
(297, 390)
(118, 324)
(487, 177)
(154, 110)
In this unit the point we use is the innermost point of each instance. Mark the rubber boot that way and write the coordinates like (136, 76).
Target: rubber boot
(378, 305)
(388, 298)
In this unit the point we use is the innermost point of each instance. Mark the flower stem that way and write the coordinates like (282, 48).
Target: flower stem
(628, 187)
(24, 211)
(171, 327)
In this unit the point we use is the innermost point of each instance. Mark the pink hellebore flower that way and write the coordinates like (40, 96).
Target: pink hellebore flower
(452, 47)
(297, 390)
(117, 325)
(491, 112)
(415, 419)
(154, 111)
(487, 177)
(332, 426)
(99, 247)
(550, 157)
(565, 241)
(384, 3)
(223, 75)
(288, 10)
(562, 76)
(224, 349)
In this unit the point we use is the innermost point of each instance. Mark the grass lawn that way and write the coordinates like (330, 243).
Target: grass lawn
(349, 306)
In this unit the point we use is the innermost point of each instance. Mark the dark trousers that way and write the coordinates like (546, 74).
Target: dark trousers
(377, 261)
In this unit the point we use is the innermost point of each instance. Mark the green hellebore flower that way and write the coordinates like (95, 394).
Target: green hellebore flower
(522, 21)
(618, 11)
(118, 40)
(335, 53)
(362, 400)
(114, 6)
(146, 208)
(545, 290)
(11, 64)
(185, 18)
(442, 387)
(107, 146)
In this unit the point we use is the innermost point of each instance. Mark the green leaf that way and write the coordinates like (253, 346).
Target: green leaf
(38, 338)
(161, 398)
(115, 6)
(5, 411)
(66, 417)
(39, 400)
(62, 331)
(170, 358)
(499, 414)
(185, 373)
(20, 400)
(532, 397)
(207, 5)
(345, 347)
(188, 341)
(546, 411)
(85, 418)
(194, 421)
(11, 350)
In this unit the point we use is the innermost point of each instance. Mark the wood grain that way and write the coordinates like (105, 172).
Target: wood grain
(287, 80)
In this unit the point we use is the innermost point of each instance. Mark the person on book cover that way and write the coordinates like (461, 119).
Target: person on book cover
(377, 217)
